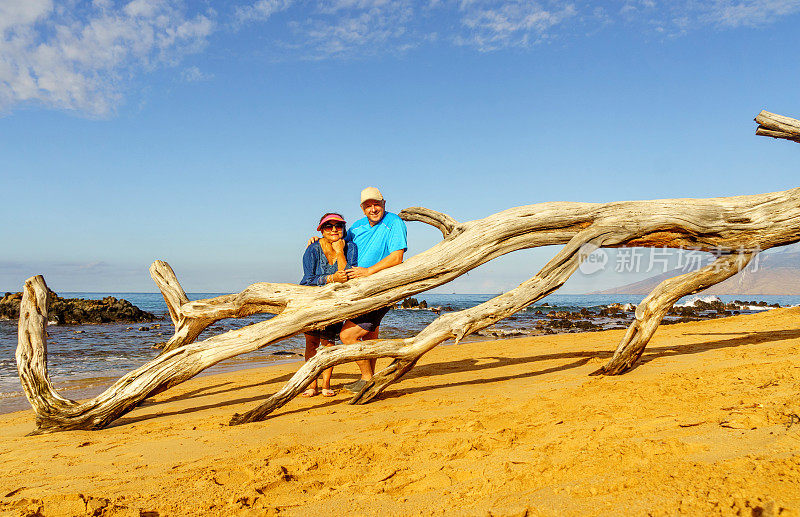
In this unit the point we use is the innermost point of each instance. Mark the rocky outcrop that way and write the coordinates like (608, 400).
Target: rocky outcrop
(75, 311)
(412, 303)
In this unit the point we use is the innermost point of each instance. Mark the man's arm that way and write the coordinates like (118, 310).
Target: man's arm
(392, 259)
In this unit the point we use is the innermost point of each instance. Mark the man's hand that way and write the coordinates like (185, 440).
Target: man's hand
(357, 272)
(339, 276)
(311, 241)
(392, 259)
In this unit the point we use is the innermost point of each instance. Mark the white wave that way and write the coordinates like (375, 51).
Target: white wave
(694, 299)
(756, 307)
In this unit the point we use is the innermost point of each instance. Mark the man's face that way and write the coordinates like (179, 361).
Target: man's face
(374, 210)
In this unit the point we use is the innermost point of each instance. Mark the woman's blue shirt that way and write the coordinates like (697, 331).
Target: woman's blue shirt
(316, 267)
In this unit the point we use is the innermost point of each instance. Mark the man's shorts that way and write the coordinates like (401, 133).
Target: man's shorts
(329, 333)
(371, 320)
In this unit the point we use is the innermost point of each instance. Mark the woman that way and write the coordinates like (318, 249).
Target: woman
(324, 262)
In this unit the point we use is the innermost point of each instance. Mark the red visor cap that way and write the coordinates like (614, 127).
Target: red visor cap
(329, 218)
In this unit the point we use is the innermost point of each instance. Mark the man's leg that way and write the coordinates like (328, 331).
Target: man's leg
(371, 335)
(352, 334)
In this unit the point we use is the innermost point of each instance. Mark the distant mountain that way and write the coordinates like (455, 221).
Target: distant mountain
(777, 273)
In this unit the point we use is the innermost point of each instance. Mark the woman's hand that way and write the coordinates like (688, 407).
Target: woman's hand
(338, 246)
(339, 276)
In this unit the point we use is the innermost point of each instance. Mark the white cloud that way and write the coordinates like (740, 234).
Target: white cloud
(634, 6)
(750, 13)
(50, 56)
(260, 11)
(494, 25)
(681, 17)
(22, 13)
(82, 54)
(343, 27)
(193, 74)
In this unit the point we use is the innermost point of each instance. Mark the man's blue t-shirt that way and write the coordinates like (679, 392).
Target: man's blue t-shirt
(375, 243)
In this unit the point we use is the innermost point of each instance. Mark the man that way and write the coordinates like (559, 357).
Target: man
(380, 238)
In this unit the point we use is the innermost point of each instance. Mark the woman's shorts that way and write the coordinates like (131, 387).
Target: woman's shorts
(329, 333)
(371, 320)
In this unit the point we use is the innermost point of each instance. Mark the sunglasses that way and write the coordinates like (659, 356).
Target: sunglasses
(331, 226)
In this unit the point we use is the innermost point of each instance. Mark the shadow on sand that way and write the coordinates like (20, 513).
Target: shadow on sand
(434, 370)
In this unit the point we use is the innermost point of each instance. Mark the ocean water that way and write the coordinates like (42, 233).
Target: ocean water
(84, 359)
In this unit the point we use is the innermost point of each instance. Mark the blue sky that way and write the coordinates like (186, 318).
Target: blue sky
(213, 134)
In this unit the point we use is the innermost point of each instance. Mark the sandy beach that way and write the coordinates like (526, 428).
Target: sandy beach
(709, 423)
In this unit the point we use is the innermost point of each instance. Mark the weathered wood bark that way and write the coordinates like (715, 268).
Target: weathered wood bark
(734, 227)
(778, 126)
(186, 329)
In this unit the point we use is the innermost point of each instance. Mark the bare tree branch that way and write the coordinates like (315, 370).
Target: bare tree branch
(733, 227)
(443, 222)
(777, 126)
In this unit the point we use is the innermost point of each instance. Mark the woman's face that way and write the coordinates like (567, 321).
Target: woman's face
(332, 231)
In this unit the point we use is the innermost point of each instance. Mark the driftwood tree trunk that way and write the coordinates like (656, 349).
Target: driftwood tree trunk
(734, 228)
(778, 126)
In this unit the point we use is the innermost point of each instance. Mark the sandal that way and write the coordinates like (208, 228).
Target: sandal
(326, 392)
(310, 392)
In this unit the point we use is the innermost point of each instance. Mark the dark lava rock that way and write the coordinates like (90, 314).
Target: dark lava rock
(685, 312)
(611, 312)
(715, 305)
(9, 306)
(412, 303)
(585, 325)
(562, 324)
(75, 311)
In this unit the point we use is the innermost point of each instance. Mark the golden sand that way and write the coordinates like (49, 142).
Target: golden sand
(709, 423)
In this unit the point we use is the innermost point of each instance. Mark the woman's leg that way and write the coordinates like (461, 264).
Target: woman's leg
(312, 342)
(326, 374)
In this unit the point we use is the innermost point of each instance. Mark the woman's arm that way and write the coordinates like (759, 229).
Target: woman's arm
(310, 261)
(338, 249)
